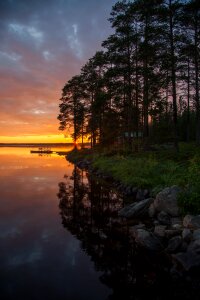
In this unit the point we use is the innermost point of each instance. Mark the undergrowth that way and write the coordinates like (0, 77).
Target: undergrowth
(154, 170)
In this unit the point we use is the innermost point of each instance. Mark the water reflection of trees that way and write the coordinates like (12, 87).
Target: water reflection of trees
(87, 203)
(89, 211)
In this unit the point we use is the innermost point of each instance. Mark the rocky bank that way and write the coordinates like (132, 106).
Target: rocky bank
(159, 226)
(170, 233)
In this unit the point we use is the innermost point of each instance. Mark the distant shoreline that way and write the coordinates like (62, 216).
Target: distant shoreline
(36, 144)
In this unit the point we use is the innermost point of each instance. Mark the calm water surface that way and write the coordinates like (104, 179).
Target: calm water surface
(61, 238)
(39, 257)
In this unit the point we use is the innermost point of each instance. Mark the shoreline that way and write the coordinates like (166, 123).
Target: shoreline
(172, 233)
(35, 144)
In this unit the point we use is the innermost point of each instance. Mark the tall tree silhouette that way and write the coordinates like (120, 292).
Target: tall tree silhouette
(147, 74)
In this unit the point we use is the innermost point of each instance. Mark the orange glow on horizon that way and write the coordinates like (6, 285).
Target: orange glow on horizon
(55, 138)
(28, 139)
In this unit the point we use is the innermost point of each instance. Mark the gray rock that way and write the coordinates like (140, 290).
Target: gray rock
(172, 232)
(188, 260)
(159, 230)
(166, 201)
(136, 209)
(184, 246)
(196, 234)
(128, 190)
(176, 220)
(155, 222)
(146, 193)
(140, 195)
(152, 210)
(177, 226)
(187, 235)
(139, 226)
(194, 246)
(174, 244)
(102, 235)
(164, 218)
(134, 190)
(192, 222)
(147, 240)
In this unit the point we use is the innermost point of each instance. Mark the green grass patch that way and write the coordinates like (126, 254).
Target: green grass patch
(147, 172)
(153, 169)
(189, 199)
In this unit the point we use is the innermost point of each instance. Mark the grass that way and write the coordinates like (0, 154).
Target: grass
(147, 172)
(154, 170)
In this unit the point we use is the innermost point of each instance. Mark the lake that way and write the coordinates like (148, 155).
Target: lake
(40, 259)
(61, 237)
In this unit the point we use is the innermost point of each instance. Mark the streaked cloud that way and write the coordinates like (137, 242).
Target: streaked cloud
(74, 42)
(9, 56)
(42, 46)
(26, 31)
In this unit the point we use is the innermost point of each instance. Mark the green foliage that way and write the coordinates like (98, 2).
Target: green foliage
(189, 199)
(147, 172)
(154, 170)
(194, 171)
(78, 155)
(144, 61)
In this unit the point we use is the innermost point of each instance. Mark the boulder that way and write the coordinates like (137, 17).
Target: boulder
(146, 193)
(192, 222)
(152, 210)
(164, 218)
(135, 209)
(134, 191)
(147, 240)
(172, 232)
(133, 229)
(176, 220)
(187, 235)
(159, 230)
(177, 226)
(194, 246)
(138, 226)
(184, 246)
(174, 244)
(196, 234)
(155, 222)
(187, 260)
(128, 191)
(166, 201)
(140, 195)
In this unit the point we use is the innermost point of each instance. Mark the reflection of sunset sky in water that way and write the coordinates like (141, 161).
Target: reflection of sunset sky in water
(37, 254)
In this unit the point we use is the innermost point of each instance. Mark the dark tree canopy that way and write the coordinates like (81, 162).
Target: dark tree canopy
(144, 86)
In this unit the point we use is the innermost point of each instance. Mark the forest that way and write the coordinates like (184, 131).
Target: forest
(142, 87)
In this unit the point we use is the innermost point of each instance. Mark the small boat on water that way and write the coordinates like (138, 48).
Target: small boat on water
(45, 150)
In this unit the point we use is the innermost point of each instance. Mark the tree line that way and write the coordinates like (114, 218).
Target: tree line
(143, 86)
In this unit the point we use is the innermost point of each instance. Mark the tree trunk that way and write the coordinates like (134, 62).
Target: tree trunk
(82, 136)
(129, 99)
(145, 76)
(173, 78)
(136, 96)
(197, 82)
(188, 101)
(75, 122)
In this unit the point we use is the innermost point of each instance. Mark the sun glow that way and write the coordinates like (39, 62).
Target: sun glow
(55, 138)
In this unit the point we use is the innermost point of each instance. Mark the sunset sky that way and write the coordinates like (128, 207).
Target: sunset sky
(43, 43)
